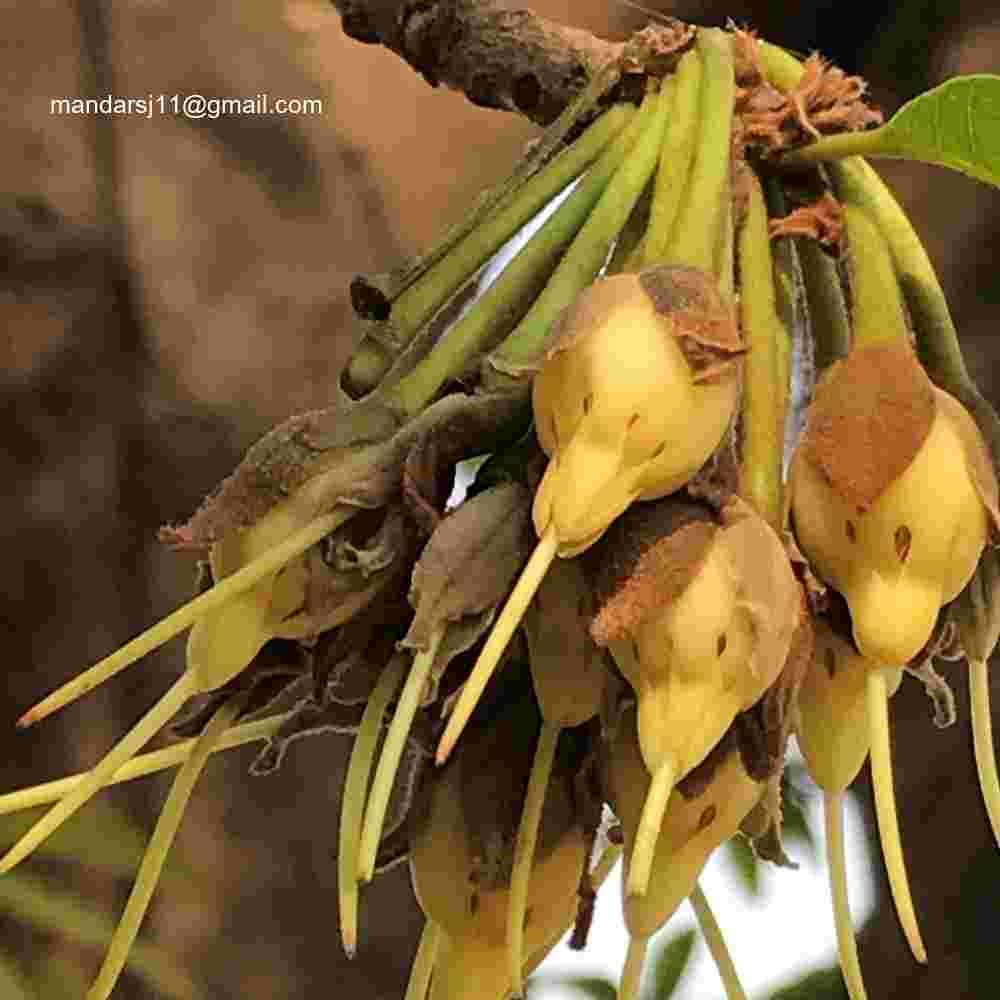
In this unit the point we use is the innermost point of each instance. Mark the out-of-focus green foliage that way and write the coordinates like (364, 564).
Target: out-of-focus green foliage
(660, 982)
(102, 838)
(820, 984)
(595, 987)
(673, 958)
(671, 963)
(796, 832)
(744, 864)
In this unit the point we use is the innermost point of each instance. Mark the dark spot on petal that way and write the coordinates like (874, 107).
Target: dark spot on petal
(903, 539)
(633, 420)
(830, 662)
(587, 400)
(659, 450)
(707, 817)
(852, 535)
(720, 645)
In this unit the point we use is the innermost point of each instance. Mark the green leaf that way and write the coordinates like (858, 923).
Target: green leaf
(670, 963)
(594, 986)
(56, 911)
(820, 984)
(742, 858)
(955, 125)
(794, 825)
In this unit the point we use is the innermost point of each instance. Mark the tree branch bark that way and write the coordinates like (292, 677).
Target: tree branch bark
(512, 60)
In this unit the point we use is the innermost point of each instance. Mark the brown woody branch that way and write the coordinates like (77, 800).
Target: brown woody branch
(499, 58)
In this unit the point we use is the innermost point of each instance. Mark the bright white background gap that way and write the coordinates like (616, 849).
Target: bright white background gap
(774, 938)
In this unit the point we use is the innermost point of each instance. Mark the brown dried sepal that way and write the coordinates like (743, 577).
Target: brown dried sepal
(495, 760)
(767, 725)
(358, 447)
(656, 49)
(645, 560)
(763, 826)
(590, 311)
(821, 221)
(772, 594)
(471, 561)
(348, 661)
(812, 586)
(870, 417)
(976, 610)
(350, 569)
(278, 666)
(278, 464)
(718, 480)
(825, 101)
(703, 322)
(567, 667)
(429, 471)
(686, 300)
(938, 690)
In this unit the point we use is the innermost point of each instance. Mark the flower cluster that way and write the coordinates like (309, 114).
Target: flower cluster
(605, 646)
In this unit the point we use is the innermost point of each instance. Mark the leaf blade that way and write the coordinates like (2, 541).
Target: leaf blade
(34, 902)
(671, 963)
(956, 125)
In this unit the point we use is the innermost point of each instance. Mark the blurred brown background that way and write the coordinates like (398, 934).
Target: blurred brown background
(128, 392)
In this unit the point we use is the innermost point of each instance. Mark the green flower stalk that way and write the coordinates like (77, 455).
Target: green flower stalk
(680, 142)
(392, 752)
(355, 793)
(765, 380)
(828, 318)
(698, 237)
(589, 250)
(712, 933)
(835, 733)
(569, 678)
(423, 963)
(138, 767)
(158, 849)
(514, 292)
(877, 304)
(420, 301)
(375, 299)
